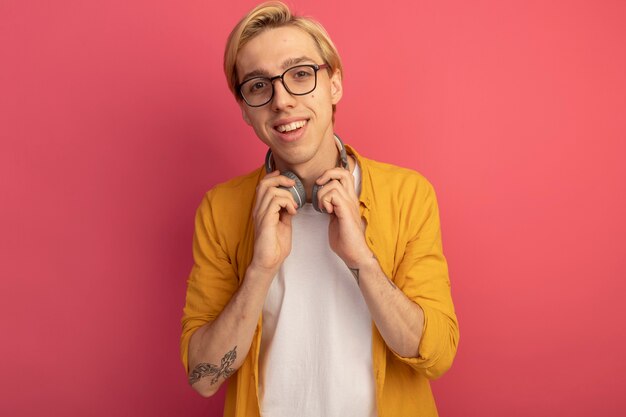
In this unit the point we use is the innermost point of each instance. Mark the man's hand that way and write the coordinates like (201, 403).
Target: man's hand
(219, 348)
(272, 215)
(399, 320)
(346, 231)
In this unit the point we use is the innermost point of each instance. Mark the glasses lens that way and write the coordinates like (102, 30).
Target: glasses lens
(256, 91)
(300, 79)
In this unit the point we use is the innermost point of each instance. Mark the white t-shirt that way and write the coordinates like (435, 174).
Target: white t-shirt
(316, 346)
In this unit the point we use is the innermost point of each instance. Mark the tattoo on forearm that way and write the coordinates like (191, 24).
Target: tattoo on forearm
(207, 369)
(355, 273)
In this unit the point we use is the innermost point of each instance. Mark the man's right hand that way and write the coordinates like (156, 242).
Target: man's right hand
(273, 210)
(228, 338)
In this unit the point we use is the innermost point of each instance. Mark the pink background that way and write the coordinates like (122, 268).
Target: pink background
(115, 119)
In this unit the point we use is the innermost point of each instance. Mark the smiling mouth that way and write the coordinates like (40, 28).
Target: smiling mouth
(289, 127)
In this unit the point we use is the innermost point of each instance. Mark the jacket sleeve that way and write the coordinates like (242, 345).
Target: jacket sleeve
(423, 276)
(212, 280)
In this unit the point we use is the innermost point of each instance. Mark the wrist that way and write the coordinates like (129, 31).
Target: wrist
(260, 274)
(366, 261)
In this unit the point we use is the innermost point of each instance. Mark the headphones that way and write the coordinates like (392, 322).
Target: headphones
(297, 191)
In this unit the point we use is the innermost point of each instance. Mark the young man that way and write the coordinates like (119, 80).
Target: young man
(319, 286)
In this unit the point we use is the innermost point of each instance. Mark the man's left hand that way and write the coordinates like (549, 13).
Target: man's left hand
(346, 231)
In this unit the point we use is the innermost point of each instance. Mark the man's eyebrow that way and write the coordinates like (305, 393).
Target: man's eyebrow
(255, 73)
(289, 62)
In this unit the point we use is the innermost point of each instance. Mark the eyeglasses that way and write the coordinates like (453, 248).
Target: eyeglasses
(298, 81)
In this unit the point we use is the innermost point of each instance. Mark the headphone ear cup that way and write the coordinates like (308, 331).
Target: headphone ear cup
(297, 191)
(316, 188)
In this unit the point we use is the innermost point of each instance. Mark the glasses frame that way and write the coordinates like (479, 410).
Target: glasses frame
(315, 67)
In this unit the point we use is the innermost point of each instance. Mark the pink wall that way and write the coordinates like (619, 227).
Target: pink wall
(115, 118)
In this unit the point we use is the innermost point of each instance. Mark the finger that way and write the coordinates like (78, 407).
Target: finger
(271, 219)
(271, 180)
(342, 175)
(275, 179)
(274, 200)
(343, 180)
(327, 203)
(335, 199)
(277, 198)
(329, 199)
(332, 186)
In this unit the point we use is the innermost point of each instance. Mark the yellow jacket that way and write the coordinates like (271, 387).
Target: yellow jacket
(400, 208)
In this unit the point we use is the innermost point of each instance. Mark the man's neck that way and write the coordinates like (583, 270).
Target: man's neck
(326, 157)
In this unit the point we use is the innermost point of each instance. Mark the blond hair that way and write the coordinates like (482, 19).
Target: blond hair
(271, 15)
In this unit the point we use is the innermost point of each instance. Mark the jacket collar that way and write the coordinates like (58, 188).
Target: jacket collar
(365, 197)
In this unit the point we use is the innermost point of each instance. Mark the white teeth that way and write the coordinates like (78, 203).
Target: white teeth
(291, 126)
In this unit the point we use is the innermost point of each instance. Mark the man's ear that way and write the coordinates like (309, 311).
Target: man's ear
(336, 87)
(244, 113)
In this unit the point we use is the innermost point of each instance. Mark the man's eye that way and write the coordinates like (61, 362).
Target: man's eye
(302, 74)
(257, 86)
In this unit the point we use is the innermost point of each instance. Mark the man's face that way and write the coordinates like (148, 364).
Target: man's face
(311, 142)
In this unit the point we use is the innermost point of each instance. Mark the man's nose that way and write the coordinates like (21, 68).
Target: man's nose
(282, 98)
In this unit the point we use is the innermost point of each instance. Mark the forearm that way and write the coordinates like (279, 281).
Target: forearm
(399, 320)
(219, 348)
